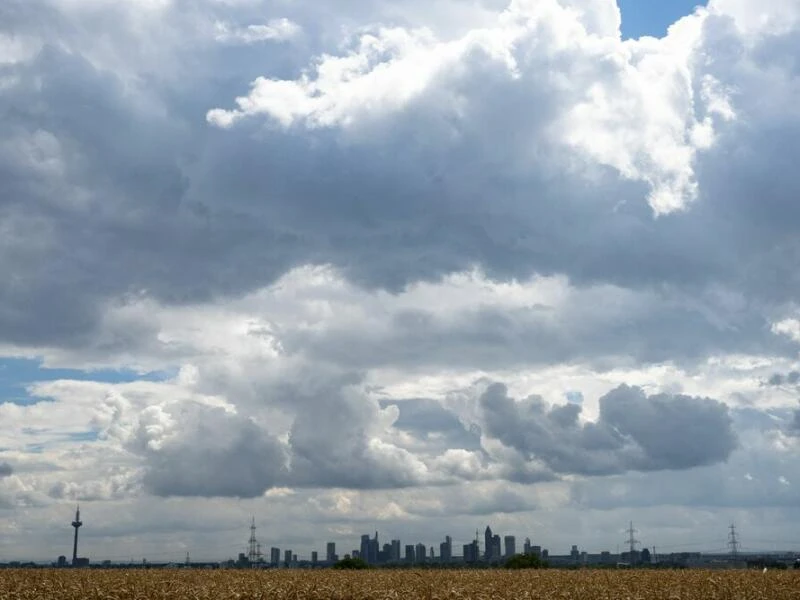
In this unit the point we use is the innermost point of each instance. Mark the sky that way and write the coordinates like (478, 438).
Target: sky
(413, 267)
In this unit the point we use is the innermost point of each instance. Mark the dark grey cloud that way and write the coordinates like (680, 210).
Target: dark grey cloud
(6, 470)
(794, 425)
(213, 453)
(332, 445)
(780, 379)
(150, 198)
(633, 431)
(651, 328)
(433, 424)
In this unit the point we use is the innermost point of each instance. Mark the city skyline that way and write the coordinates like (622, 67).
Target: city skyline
(405, 266)
(494, 547)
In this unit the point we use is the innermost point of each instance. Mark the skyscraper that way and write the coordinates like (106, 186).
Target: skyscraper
(330, 554)
(511, 545)
(487, 543)
(410, 553)
(373, 550)
(420, 553)
(471, 552)
(446, 550)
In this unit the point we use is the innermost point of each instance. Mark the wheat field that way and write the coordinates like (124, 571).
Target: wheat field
(52, 584)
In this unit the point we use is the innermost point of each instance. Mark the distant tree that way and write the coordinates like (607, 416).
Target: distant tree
(525, 561)
(351, 563)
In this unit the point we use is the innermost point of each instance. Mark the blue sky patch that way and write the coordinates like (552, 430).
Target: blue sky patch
(18, 373)
(652, 17)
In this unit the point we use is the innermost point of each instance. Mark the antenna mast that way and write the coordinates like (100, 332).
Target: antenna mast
(252, 544)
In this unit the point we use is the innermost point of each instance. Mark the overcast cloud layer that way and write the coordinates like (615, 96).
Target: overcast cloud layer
(397, 265)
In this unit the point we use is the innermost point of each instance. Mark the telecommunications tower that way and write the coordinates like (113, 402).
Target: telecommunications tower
(76, 524)
(253, 547)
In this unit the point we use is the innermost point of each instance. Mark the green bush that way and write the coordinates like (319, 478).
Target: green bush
(351, 563)
(525, 561)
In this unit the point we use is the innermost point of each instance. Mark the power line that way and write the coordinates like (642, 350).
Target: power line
(632, 541)
(733, 543)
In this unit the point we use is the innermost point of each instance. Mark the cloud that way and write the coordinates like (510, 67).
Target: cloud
(205, 451)
(5, 470)
(633, 432)
(324, 222)
(274, 30)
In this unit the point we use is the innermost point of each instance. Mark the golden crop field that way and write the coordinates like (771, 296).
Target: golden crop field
(52, 584)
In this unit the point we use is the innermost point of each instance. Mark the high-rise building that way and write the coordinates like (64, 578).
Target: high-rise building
(511, 545)
(488, 546)
(314, 557)
(446, 550)
(420, 553)
(287, 557)
(373, 550)
(363, 552)
(497, 551)
(385, 555)
(410, 553)
(471, 552)
(526, 547)
(395, 555)
(274, 556)
(369, 549)
(330, 553)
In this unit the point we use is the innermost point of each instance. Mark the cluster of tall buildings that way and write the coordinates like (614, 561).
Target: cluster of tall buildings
(393, 552)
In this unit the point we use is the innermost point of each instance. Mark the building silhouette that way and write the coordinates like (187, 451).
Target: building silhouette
(511, 545)
(488, 544)
(446, 550)
(410, 553)
(330, 552)
(420, 553)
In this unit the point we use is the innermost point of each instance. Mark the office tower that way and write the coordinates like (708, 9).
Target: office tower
(526, 547)
(420, 553)
(511, 545)
(275, 556)
(395, 555)
(446, 550)
(287, 557)
(330, 553)
(409, 553)
(487, 543)
(471, 554)
(314, 558)
(373, 550)
(497, 551)
(364, 551)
